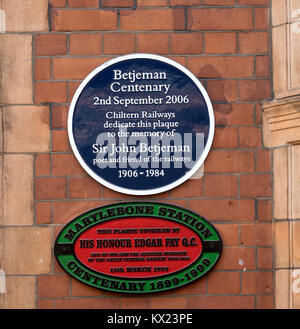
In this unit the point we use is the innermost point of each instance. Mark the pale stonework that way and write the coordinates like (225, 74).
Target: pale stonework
(278, 12)
(26, 129)
(16, 69)
(26, 15)
(18, 190)
(295, 182)
(27, 250)
(280, 161)
(16, 298)
(282, 289)
(281, 129)
(296, 244)
(282, 245)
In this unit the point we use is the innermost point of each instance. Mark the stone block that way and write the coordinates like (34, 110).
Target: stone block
(26, 15)
(20, 292)
(18, 190)
(16, 69)
(26, 129)
(280, 183)
(27, 250)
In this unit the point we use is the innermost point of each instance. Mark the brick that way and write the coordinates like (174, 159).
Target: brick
(222, 67)
(156, 43)
(262, 18)
(119, 43)
(263, 160)
(179, 59)
(253, 42)
(85, 44)
(190, 188)
(229, 233)
(19, 255)
(42, 68)
(53, 286)
(83, 188)
(152, 3)
(81, 290)
(218, 19)
(219, 2)
(250, 137)
(220, 43)
(259, 234)
(264, 210)
(135, 303)
(20, 139)
(88, 303)
(222, 302)
(262, 66)
(84, 20)
(64, 211)
(45, 304)
(42, 165)
(60, 141)
(118, 3)
(234, 114)
(265, 258)
(50, 44)
(225, 137)
(187, 43)
(258, 114)
(254, 90)
(229, 161)
(111, 194)
(75, 68)
(257, 283)
(185, 2)
(59, 116)
(227, 210)
(256, 185)
(65, 164)
(222, 90)
(73, 86)
(57, 3)
(237, 258)
(168, 303)
(83, 3)
(265, 302)
(221, 185)
(254, 2)
(50, 92)
(224, 283)
(43, 212)
(198, 287)
(152, 19)
(48, 188)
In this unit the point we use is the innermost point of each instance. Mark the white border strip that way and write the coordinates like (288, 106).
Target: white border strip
(127, 190)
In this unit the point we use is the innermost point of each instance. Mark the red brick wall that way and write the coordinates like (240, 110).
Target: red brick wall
(225, 43)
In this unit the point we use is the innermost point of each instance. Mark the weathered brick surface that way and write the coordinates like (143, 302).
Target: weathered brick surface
(225, 43)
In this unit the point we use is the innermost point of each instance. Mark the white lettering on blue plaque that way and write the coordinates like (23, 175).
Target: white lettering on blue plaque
(141, 124)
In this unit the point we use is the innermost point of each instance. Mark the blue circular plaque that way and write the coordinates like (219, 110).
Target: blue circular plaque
(141, 124)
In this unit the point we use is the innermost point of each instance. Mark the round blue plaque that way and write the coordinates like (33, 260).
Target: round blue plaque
(141, 124)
